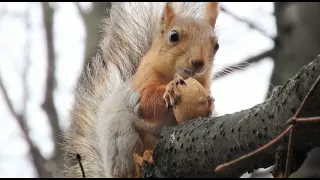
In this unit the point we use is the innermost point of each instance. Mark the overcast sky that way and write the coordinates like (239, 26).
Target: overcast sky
(234, 92)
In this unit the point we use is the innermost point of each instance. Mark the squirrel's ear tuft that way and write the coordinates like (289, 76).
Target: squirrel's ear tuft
(211, 12)
(167, 16)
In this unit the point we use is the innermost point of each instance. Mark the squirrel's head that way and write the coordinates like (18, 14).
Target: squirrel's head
(187, 44)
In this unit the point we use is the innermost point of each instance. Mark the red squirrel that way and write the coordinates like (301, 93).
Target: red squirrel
(184, 48)
(170, 86)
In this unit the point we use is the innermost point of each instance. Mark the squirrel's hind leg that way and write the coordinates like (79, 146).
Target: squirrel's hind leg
(139, 160)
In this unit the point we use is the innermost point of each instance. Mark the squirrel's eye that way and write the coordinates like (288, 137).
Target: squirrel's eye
(174, 36)
(216, 47)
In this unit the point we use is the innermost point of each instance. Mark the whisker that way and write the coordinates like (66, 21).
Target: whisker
(170, 52)
(184, 51)
(228, 69)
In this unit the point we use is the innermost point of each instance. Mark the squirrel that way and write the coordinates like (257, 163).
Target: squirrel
(153, 68)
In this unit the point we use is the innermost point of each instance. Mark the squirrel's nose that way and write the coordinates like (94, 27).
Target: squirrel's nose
(197, 63)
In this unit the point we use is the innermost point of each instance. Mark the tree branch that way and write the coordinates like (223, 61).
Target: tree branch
(37, 158)
(7, 100)
(48, 104)
(92, 20)
(244, 64)
(246, 21)
(81, 11)
(195, 148)
(27, 61)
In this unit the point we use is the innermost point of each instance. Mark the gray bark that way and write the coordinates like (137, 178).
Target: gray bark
(297, 42)
(195, 148)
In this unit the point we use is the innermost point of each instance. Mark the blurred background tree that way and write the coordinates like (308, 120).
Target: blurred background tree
(92, 21)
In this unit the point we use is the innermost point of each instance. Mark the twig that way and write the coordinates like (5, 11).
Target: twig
(289, 153)
(248, 22)
(81, 11)
(80, 164)
(18, 116)
(27, 61)
(270, 143)
(37, 157)
(277, 171)
(291, 126)
(288, 161)
(7, 100)
(306, 97)
(307, 120)
(243, 64)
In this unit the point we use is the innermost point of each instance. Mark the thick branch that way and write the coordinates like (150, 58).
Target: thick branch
(246, 21)
(195, 148)
(48, 104)
(243, 64)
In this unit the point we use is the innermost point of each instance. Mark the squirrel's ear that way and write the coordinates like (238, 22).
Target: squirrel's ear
(211, 12)
(167, 16)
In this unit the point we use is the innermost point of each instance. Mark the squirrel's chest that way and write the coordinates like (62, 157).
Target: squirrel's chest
(155, 126)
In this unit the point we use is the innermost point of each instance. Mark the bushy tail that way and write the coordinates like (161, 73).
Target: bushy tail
(127, 35)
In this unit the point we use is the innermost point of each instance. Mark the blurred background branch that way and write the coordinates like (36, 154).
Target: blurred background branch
(36, 156)
(48, 104)
(243, 64)
(92, 23)
(50, 167)
(246, 21)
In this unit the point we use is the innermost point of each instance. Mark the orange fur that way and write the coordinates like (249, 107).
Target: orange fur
(212, 12)
(158, 67)
(151, 106)
(168, 14)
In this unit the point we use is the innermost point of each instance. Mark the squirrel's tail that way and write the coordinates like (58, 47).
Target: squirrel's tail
(127, 36)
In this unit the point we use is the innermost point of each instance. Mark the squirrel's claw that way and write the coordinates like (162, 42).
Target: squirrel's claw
(166, 98)
(172, 96)
(139, 160)
(179, 80)
(211, 103)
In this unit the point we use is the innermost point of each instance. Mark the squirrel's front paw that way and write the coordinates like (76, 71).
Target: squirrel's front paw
(195, 101)
(210, 103)
(172, 96)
